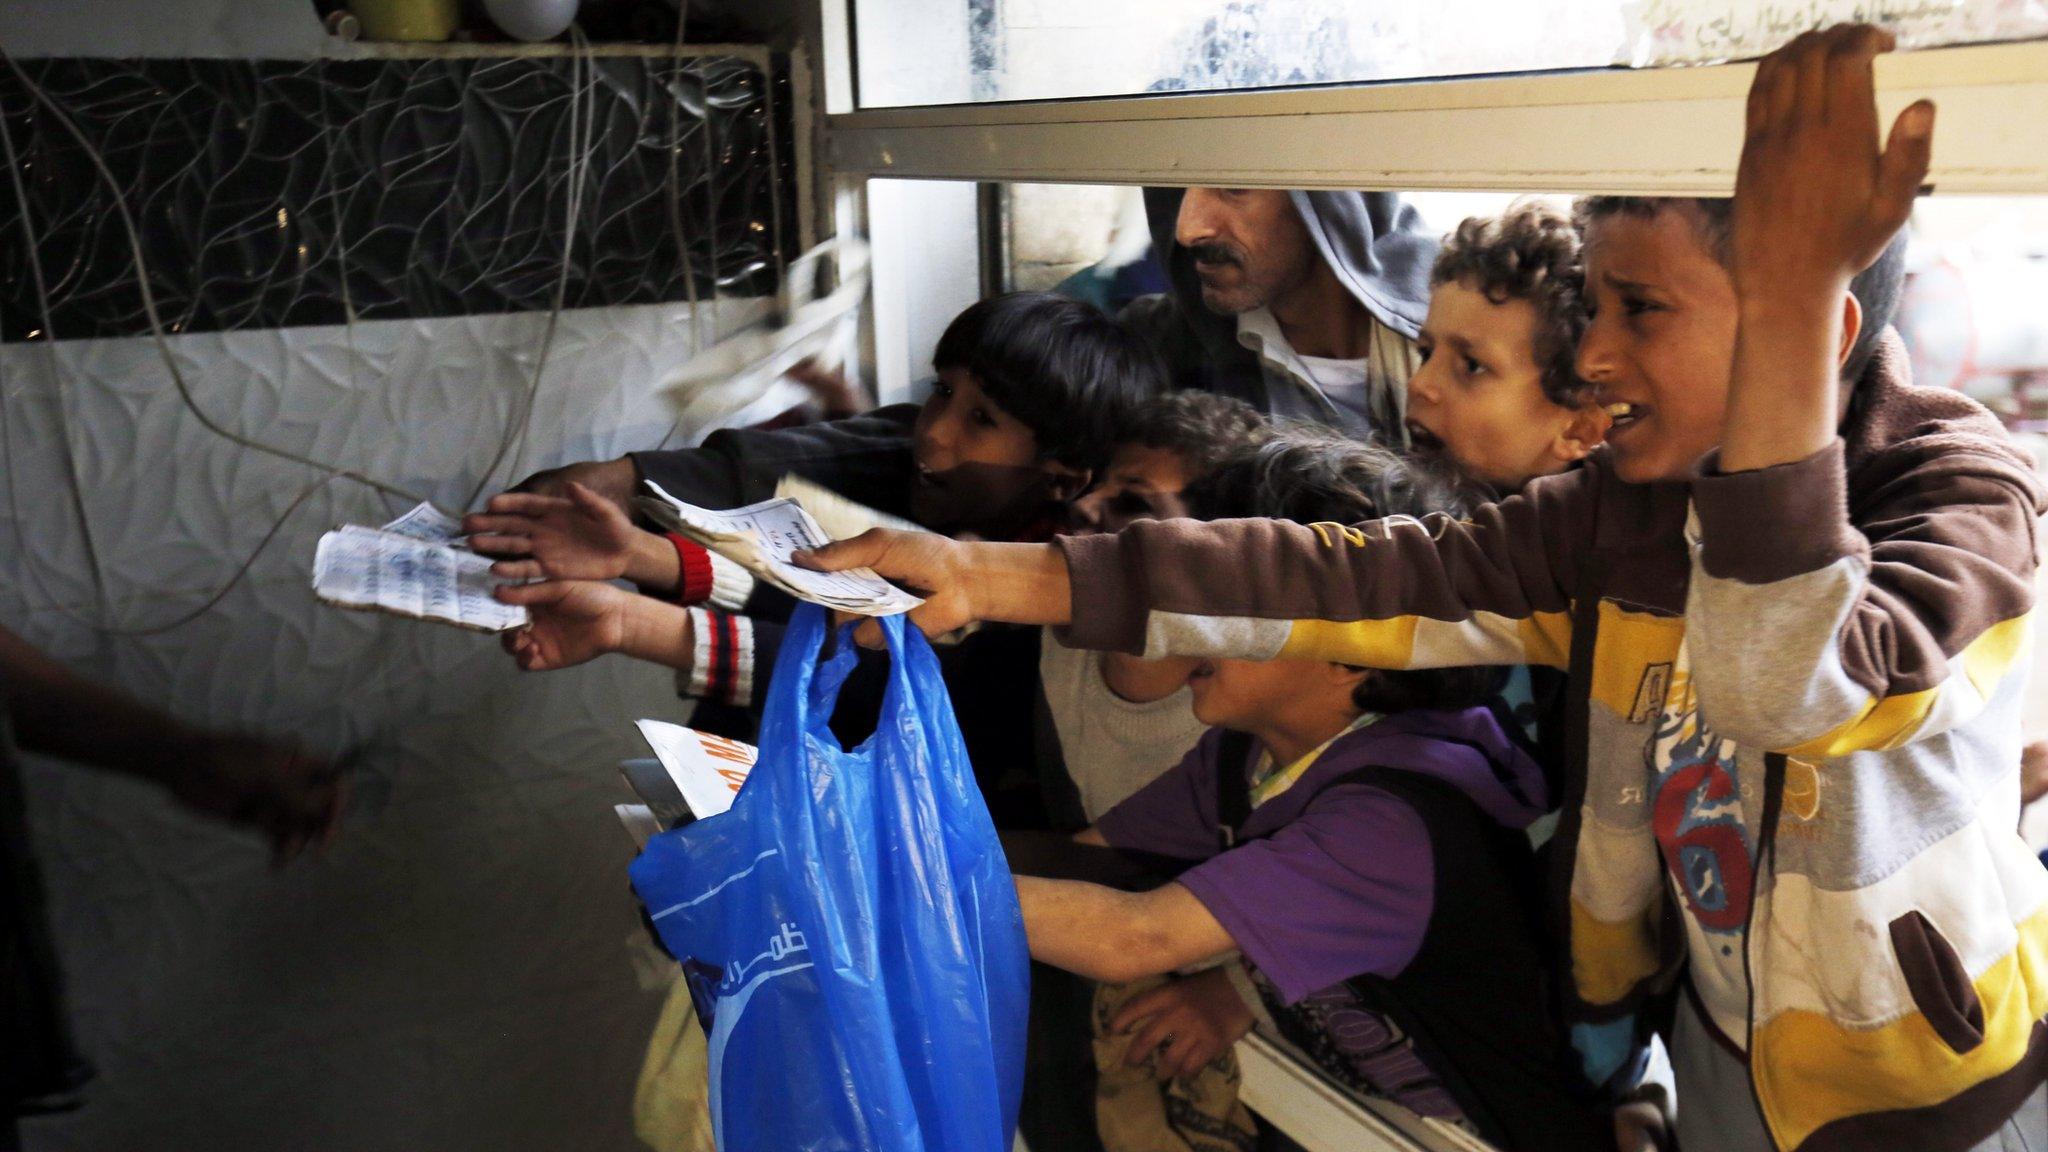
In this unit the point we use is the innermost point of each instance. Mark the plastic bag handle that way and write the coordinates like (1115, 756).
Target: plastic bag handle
(819, 682)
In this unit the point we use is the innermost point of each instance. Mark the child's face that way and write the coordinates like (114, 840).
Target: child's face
(978, 467)
(1661, 344)
(1479, 393)
(1260, 696)
(1140, 483)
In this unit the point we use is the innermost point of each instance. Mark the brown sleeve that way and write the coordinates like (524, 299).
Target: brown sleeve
(1821, 625)
(1389, 593)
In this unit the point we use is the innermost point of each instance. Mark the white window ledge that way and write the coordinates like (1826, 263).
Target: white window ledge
(1323, 1117)
(1673, 131)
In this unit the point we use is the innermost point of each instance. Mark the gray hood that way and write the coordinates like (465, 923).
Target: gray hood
(1375, 242)
(1379, 248)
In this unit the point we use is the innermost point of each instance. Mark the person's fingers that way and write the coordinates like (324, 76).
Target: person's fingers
(1809, 66)
(1777, 85)
(860, 552)
(2033, 771)
(1175, 1057)
(1139, 1007)
(519, 569)
(1902, 169)
(1850, 99)
(544, 593)
(526, 504)
(1197, 1056)
(593, 505)
(1758, 110)
(1150, 1034)
(868, 634)
(491, 544)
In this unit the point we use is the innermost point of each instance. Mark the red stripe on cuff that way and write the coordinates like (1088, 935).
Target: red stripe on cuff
(714, 678)
(695, 584)
(728, 656)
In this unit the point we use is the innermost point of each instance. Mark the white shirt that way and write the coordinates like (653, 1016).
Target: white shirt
(1112, 746)
(1371, 390)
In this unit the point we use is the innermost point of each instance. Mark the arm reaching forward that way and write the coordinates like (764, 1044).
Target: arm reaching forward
(1394, 593)
(1117, 937)
(961, 582)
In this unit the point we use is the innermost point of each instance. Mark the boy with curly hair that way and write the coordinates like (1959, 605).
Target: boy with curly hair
(1497, 391)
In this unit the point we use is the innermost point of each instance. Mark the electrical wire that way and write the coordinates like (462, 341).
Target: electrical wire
(328, 472)
(582, 147)
(582, 69)
(675, 201)
(76, 490)
(149, 307)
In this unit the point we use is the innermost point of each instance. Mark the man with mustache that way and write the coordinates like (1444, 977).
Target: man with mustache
(1303, 304)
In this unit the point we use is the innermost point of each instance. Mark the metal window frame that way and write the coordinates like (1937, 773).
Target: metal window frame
(1671, 131)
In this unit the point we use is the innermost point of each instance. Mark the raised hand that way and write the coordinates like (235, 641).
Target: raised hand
(1816, 201)
(1817, 195)
(576, 536)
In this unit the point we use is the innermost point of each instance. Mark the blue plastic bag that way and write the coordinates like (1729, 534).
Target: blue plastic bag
(849, 928)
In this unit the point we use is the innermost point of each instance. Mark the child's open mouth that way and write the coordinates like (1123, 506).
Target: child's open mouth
(1624, 415)
(1422, 438)
(1202, 671)
(928, 478)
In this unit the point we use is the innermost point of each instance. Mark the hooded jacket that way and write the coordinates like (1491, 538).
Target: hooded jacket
(1381, 252)
(1846, 635)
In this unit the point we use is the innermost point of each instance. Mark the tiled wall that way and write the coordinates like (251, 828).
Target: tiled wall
(458, 972)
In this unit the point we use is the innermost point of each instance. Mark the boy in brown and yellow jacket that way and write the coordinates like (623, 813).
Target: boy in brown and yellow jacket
(1793, 599)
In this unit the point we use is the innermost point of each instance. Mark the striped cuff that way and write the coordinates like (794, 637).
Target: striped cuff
(693, 582)
(723, 668)
(730, 584)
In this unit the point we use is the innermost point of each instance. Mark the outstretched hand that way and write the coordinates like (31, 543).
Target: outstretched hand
(926, 563)
(1817, 196)
(574, 621)
(612, 479)
(576, 536)
(291, 796)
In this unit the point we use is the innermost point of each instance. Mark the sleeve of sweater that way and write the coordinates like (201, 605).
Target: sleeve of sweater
(1395, 593)
(1817, 631)
(708, 578)
(862, 457)
(733, 654)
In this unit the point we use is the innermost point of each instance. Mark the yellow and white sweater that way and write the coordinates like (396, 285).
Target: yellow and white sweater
(1794, 740)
